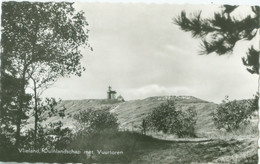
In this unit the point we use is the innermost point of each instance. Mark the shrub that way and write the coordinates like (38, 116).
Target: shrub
(254, 102)
(7, 149)
(92, 120)
(230, 115)
(51, 136)
(168, 119)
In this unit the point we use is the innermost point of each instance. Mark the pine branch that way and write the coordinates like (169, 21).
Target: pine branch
(251, 61)
(220, 33)
(229, 9)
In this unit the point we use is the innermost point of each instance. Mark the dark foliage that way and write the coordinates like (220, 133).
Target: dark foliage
(7, 149)
(40, 43)
(168, 119)
(251, 61)
(95, 120)
(43, 34)
(51, 136)
(10, 96)
(221, 33)
(231, 115)
(254, 103)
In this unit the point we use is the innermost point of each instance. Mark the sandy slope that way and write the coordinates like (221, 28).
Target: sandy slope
(131, 113)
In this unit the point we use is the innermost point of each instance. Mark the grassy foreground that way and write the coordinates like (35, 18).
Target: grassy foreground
(136, 148)
(141, 149)
(215, 151)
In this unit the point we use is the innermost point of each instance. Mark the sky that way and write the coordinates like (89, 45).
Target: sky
(140, 52)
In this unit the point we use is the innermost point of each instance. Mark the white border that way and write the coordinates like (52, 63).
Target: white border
(218, 2)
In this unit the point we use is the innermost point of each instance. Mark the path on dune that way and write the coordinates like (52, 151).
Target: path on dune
(200, 151)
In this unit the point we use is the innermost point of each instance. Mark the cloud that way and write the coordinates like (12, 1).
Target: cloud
(157, 90)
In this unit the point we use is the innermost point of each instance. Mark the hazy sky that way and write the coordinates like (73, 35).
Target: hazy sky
(141, 53)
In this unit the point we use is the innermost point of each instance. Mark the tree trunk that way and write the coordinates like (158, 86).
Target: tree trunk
(20, 111)
(18, 129)
(36, 115)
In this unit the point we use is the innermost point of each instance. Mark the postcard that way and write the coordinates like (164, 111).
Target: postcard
(129, 82)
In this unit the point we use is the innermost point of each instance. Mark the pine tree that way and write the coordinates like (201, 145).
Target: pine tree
(221, 33)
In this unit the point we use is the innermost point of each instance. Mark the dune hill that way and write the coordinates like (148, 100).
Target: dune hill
(131, 113)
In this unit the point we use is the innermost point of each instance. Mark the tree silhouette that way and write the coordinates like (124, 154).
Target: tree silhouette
(221, 33)
(41, 42)
(9, 105)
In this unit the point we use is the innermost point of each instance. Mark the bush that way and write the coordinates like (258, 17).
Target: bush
(92, 120)
(254, 102)
(230, 115)
(168, 119)
(7, 149)
(51, 136)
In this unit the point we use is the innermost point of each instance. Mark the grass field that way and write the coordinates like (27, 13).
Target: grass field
(148, 150)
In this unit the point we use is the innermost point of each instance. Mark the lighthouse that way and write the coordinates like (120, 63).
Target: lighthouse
(111, 95)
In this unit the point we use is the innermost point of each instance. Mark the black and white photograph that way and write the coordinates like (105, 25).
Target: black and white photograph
(129, 82)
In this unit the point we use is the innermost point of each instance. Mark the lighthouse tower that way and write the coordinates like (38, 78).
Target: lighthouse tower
(111, 95)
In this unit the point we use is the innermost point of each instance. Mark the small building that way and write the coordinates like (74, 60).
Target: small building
(120, 98)
(111, 95)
